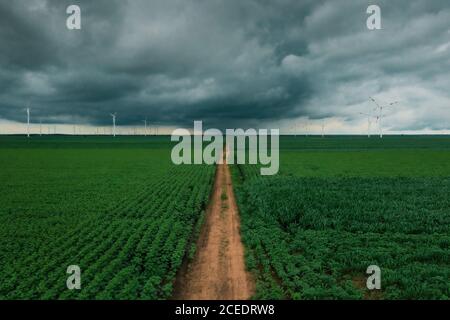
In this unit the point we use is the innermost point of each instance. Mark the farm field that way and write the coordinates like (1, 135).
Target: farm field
(117, 207)
(120, 209)
(339, 205)
(219, 159)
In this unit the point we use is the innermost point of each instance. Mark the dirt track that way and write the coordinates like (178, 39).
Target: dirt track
(218, 269)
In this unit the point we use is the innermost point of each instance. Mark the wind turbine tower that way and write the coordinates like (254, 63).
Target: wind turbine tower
(28, 122)
(380, 112)
(369, 122)
(145, 127)
(113, 115)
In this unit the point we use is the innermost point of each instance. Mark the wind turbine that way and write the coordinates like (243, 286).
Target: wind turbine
(40, 127)
(28, 120)
(113, 115)
(145, 128)
(323, 127)
(369, 122)
(380, 114)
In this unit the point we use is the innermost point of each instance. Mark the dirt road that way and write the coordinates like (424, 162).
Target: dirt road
(218, 269)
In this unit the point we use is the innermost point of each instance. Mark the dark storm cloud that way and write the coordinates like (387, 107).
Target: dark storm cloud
(225, 62)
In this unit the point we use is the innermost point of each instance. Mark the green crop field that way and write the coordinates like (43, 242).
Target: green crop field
(118, 208)
(341, 204)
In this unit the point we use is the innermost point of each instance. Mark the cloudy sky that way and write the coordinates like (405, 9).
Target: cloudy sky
(247, 63)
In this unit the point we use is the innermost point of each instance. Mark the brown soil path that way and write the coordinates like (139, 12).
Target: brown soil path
(218, 269)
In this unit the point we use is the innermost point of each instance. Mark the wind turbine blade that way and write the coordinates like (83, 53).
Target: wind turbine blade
(374, 101)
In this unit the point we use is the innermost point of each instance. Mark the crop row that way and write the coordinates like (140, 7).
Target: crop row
(312, 238)
(130, 250)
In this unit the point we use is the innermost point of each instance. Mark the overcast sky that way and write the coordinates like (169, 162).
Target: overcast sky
(230, 63)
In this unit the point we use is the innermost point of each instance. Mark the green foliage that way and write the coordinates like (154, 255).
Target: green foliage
(340, 204)
(125, 214)
(311, 238)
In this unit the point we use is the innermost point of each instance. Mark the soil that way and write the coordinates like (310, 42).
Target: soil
(217, 271)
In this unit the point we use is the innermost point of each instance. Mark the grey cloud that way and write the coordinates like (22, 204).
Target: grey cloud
(228, 63)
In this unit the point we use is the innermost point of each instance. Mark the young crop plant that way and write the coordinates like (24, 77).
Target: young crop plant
(319, 239)
(340, 205)
(128, 219)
